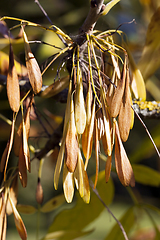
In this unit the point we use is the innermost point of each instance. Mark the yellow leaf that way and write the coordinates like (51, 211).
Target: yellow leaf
(150, 60)
(109, 6)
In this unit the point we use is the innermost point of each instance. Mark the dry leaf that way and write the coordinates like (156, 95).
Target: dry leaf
(123, 166)
(13, 90)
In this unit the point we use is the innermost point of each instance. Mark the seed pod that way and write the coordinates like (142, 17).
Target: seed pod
(68, 184)
(39, 192)
(71, 145)
(34, 72)
(22, 167)
(18, 222)
(123, 166)
(108, 168)
(125, 113)
(13, 90)
(80, 112)
(118, 94)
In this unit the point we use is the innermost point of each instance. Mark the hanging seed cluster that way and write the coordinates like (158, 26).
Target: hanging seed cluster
(98, 110)
(98, 115)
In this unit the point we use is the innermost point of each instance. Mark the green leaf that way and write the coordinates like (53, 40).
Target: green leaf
(53, 204)
(27, 209)
(146, 175)
(127, 222)
(64, 235)
(82, 214)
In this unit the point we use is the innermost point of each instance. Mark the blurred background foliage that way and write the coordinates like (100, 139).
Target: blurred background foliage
(138, 222)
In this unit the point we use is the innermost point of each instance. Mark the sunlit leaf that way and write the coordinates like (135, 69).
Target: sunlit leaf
(146, 175)
(127, 221)
(150, 61)
(109, 6)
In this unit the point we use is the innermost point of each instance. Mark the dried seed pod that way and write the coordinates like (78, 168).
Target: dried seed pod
(68, 184)
(71, 144)
(97, 150)
(13, 192)
(18, 222)
(87, 137)
(118, 94)
(108, 168)
(80, 112)
(39, 192)
(22, 167)
(13, 90)
(34, 72)
(123, 166)
(125, 113)
(7, 151)
(62, 148)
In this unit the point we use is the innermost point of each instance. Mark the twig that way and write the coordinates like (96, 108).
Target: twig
(118, 222)
(149, 135)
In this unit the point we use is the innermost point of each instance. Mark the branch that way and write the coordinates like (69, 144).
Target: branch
(96, 7)
(147, 109)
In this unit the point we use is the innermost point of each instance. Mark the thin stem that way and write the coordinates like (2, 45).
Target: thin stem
(118, 222)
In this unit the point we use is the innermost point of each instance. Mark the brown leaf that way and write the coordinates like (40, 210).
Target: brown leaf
(125, 114)
(13, 90)
(34, 71)
(118, 94)
(71, 144)
(123, 166)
